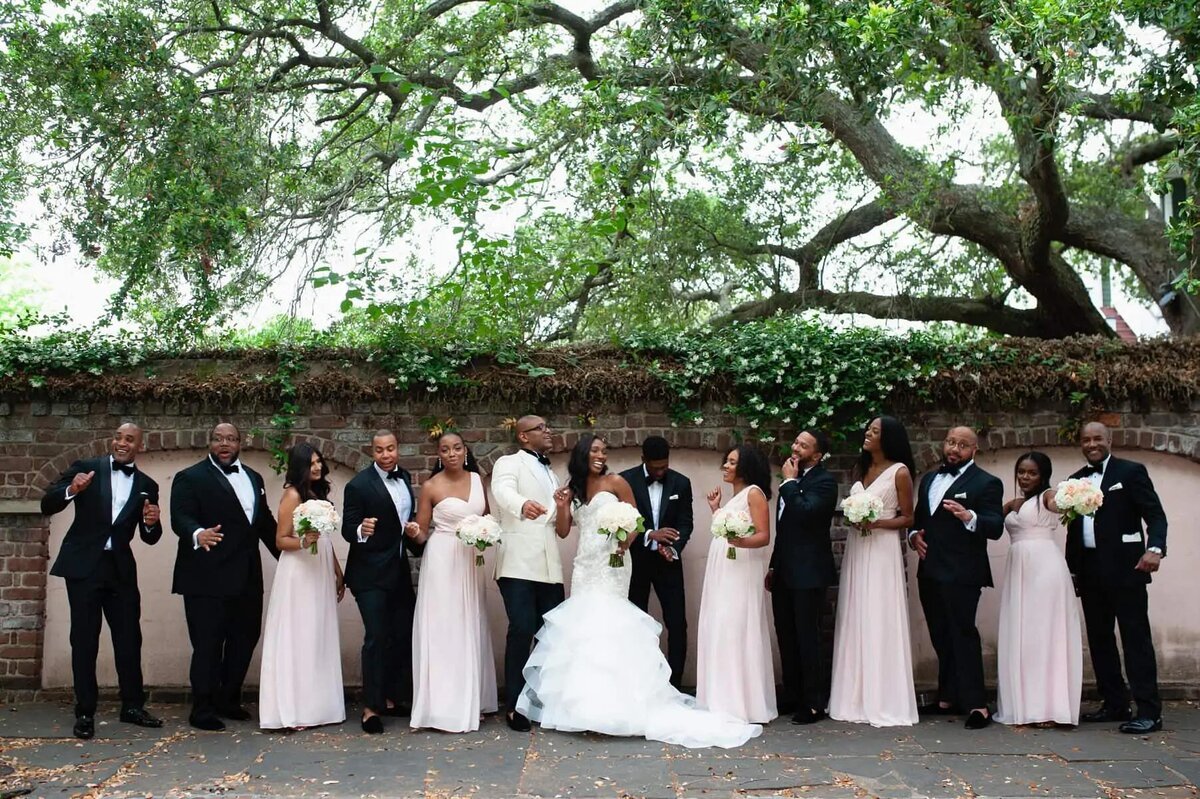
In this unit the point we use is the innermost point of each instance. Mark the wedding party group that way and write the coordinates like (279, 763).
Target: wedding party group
(593, 661)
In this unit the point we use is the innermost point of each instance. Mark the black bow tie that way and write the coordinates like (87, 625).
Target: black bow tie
(1090, 470)
(542, 459)
(651, 481)
(230, 469)
(394, 474)
(127, 468)
(946, 468)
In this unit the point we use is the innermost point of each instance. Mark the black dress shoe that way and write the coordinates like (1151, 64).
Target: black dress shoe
(1141, 726)
(206, 721)
(808, 716)
(518, 722)
(372, 725)
(234, 713)
(935, 709)
(139, 716)
(1106, 713)
(977, 720)
(85, 727)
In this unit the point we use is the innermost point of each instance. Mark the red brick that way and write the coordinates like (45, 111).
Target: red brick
(16, 592)
(37, 579)
(17, 652)
(22, 564)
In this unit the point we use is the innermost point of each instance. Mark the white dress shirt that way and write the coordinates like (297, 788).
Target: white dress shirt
(655, 490)
(938, 487)
(1089, 522)
(122, 487)
(400, 499)
(240, 482)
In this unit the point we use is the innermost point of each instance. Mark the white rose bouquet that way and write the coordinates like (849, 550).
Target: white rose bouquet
(861, 509)
(620, 521)
(478, 532)
(315, 516)
(729, 525)
(1077, 498)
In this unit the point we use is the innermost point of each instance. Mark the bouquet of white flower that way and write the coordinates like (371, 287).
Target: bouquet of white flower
(620, 521)
(861, 509)
(315, 516)
(729, 525)
(479, 532)
(1077, 498)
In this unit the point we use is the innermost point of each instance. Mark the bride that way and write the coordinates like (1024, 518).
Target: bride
(597, 664)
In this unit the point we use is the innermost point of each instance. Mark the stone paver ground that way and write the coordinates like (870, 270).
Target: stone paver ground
(937, 758)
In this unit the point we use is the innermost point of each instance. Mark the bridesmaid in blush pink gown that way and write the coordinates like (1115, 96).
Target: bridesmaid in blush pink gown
(454, 674)
(735, 674)
(872, 651)
(300, 684)
(1040, 645)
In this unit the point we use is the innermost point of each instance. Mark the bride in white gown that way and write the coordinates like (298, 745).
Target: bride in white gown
(597, 664)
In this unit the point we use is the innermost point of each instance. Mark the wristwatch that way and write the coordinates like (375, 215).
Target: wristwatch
(1155, 550)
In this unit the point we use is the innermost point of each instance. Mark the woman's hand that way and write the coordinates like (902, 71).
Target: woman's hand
(412, 530)
(714, 499)
(1013, 505)
(310, 539)
(341, 588)
(563, 496)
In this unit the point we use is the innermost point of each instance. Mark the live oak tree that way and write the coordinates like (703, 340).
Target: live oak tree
(612, 165)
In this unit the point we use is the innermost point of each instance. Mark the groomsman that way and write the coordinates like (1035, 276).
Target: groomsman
(959, 507)
(377, 509)
(664, 498)
(219, 511)
(112, 497)
(528, 568)
(801, 570)
(1112, 560)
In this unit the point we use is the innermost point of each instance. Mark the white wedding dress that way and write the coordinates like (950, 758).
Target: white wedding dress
(597, 664)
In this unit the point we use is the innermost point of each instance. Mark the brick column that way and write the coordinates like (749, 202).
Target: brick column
(24, 550)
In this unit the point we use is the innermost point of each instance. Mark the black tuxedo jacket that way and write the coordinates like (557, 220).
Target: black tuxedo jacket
(93, 524)
(675, 511)
(803, 555)
(1129, 499)
(957, 555)
(382, 561)
(202, 497)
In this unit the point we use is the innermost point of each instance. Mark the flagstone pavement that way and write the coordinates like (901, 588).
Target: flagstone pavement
(937, 758)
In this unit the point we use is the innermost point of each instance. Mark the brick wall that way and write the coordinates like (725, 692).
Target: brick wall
(38, 439)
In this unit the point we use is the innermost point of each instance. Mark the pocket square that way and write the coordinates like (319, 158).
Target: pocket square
(1115, 487)
(1131, 538)
(673, 496)
(960, 496)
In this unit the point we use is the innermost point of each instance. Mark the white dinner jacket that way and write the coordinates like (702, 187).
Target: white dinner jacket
(528, 548)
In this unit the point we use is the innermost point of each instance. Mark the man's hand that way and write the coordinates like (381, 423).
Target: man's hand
(150, 514)
(1149, 562)
(209, 537)
(770, 574)
(791, 469)
(368, 527)
(960, 513)
(80, 483)
(664, 536)
(917, 542)
(667, 553)
(532, 510)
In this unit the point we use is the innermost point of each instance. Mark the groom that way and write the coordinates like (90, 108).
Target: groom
(528, 569)
(959, 507)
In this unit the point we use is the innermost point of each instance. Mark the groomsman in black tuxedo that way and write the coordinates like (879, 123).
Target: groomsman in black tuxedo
(377, 510)
(959, 507)
(219, 511)
(801, 570)
(1112, 560)
(664, 498)
(112, 497)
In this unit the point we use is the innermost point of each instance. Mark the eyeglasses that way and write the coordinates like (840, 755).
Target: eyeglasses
(541, 428)
(225, 439)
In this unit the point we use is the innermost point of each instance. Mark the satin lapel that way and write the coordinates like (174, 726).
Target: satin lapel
(218, 477)
(956, 487)
(382, 494)
(529, 465)
(134, 494)
(641, 495)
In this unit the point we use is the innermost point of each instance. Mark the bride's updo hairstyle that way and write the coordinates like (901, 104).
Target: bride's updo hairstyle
(752, 467)
(579, 466)
(469, 465)
(299, 466)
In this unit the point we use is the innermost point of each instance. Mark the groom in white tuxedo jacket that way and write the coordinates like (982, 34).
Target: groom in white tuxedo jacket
(528, 567)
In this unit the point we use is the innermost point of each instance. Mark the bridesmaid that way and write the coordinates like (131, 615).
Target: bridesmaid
(872, 652)
(1040, 645)
(735, 673)
(301, 680)
(454, 673)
